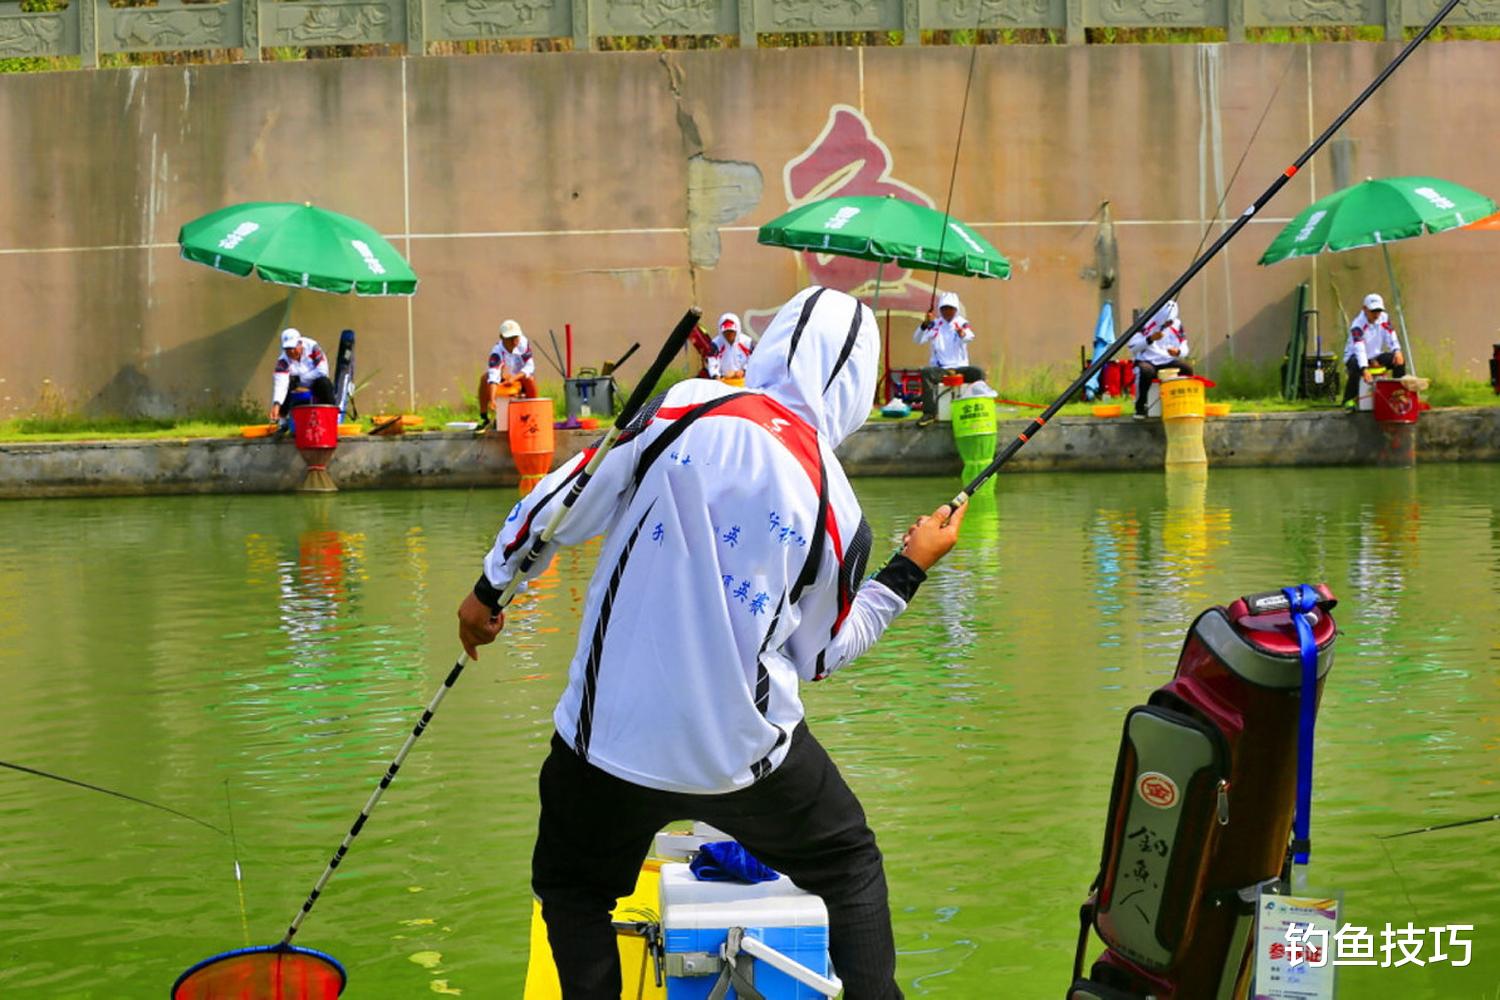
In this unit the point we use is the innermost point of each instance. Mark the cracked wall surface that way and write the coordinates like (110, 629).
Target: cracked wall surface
(609, 191)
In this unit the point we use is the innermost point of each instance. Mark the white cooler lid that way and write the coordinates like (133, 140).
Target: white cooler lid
(687, 903)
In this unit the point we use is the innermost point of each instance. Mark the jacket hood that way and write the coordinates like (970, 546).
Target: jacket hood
(950, 299)
(821, 358)
(1164, 317)
(732, 319)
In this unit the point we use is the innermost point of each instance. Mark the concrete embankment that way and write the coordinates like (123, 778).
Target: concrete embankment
(217, 465)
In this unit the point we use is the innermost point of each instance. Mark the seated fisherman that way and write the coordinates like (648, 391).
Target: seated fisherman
(1161, 344)
(1372, 341)
(947, 337)
(732, 349)
(511, 364)
(303, 365)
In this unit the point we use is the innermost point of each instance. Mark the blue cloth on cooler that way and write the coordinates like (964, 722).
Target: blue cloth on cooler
(727, 861)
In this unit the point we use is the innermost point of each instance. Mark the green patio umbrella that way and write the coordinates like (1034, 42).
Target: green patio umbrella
(889, 231)
(299, 245)
(1377, 212)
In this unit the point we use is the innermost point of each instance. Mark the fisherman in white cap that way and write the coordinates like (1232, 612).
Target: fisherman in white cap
(1372, 341)
(511, 365)
(732, 349)
(301, 365)
(947, 336)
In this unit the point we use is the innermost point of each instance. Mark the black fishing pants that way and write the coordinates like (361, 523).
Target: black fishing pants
(802, 819)
(1386, 360)
(932, 377)
(320, 387)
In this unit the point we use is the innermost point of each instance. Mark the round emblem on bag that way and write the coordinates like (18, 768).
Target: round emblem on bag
(1157, 789)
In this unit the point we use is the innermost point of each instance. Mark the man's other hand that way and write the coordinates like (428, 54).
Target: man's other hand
(477, 625)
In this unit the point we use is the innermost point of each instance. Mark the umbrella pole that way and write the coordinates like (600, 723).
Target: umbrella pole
(879, 273)
(286, 311)
(1390, 272)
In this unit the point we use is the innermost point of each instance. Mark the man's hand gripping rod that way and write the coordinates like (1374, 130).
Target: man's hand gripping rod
(675, 343)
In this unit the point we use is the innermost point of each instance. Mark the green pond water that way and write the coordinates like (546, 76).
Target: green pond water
(279, 648)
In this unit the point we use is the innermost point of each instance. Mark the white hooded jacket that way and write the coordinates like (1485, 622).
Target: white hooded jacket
(732, 562)
(729, 357)
(1368, 340)
(312, 365)
(948, 339)
(506, 364)
(1155, 352)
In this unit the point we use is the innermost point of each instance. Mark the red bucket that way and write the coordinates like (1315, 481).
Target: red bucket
(1394, 403)
(316, 426)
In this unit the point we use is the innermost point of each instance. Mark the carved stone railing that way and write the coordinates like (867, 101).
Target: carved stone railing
(87, 28)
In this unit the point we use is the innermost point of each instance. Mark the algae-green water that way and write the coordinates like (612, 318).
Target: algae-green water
(278, 649)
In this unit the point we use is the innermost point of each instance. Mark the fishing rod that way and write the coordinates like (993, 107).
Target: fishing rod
(675, 342)
(110, 791)
(1442, 826)
(1249, 213)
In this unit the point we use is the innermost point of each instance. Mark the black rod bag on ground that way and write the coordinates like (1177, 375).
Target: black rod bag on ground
(343, 376)
(1201, 811)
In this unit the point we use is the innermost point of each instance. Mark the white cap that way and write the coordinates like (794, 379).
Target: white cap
(290, 337)
(1374, 301)
(510, 328)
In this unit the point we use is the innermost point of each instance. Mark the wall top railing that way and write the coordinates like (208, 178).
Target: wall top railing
(90, 28)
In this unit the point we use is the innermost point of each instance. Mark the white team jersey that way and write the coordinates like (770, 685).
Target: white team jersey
(510, 364)
(948, 341)
(1366, 339)
(312, 364)
(729, 357)
(732, 562)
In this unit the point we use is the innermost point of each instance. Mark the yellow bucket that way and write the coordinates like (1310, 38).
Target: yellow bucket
(1216, 409)
(738, 381)
(1181, 397)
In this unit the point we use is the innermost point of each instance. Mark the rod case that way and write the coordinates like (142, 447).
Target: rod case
(1200, 816)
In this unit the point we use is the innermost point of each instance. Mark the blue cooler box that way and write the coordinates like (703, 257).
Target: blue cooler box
(696, 917)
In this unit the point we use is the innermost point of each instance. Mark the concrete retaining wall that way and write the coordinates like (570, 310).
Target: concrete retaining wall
(129, 468)
(612, 190)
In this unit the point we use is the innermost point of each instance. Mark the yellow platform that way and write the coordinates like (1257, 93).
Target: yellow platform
(635, 960)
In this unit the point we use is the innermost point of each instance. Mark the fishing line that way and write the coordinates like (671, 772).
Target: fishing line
(239, 883)
(109, 791)
(1399, 880)
(1224, 195)
(1249, 213)
(963, 114)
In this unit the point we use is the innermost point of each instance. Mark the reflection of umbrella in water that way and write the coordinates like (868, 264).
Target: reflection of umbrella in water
(888, 231)
(1378, 212)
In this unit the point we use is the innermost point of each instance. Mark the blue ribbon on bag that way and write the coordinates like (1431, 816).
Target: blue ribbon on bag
(1304, 599)
(728, 861)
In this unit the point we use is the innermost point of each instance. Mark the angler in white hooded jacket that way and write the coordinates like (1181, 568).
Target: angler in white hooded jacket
(1160, 344)
(947, 337)
(732, 349)
(732, 569)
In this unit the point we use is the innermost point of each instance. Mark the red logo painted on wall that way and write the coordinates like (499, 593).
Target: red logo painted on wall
(848, 158)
